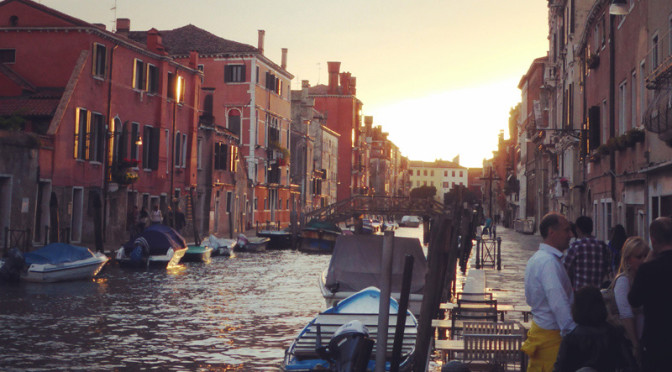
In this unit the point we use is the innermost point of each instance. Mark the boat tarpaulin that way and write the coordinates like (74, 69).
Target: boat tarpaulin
(356, 263)
(56, 253)
(322, 225)
(159, 239)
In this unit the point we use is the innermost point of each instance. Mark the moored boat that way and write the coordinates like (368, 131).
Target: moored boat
(352, 322)
(355, 265)
(278, 239)
(55, 262)
(197, 253)
(319, 237)
(251, 244)
(221, 246)
(158, 245)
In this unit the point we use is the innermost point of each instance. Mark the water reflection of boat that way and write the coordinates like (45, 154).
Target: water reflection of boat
(197, 253)
(347, 329)
(221, 246)
(278, 239)
(319, 237)
(55, 262)
(157, 245)
(355, 265)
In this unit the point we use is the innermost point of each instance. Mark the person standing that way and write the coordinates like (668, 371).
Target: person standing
(155, 216)
(634, 251)
(587, 261)
(180, 219)
(548, 292)
(650, 289)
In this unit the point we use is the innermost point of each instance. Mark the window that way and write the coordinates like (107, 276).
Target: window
(424, 172)
(234, 73)
(180, 89)
(633, 100)
(167, 138)
(152, 79)
(170, 82)
(99, 60)
(7, 55)
(453, 173)
(257, 76)
(445, 173)
(418, 172)
(622, 104)
(432, 173)
(642, 89)
(229, 201)
(81, 121)
(150, 147)
(135, 134)
(96, 137)
(138, 74)
(234, 122)
(199, 153)
(184, 150)
(221, 151)
(272, 82)
(233, 156)
(654, 52)
(461, 174)
(446, 185)
(177, 151)
(146, 139)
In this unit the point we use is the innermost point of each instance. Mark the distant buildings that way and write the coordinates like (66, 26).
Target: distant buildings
(443, 175)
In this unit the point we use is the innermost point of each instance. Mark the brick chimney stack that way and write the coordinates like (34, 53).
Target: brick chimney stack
(283, 64)
(260, 42)
(345, 82)
(193, 59)
(368, 123)
(155, 42)
(123, 26)
(353, 85)
(334, 68)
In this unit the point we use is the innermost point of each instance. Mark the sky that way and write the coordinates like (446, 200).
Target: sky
(439, 76)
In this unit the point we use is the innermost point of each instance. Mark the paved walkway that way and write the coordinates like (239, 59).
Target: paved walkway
(507, 285)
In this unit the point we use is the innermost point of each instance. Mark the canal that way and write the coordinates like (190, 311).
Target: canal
(237, 313)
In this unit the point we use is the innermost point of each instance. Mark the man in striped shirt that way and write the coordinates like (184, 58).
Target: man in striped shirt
(587, 259)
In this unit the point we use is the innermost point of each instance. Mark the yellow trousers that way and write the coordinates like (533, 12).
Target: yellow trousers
(542, 347)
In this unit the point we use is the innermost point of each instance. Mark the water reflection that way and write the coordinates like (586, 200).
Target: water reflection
(237, 313)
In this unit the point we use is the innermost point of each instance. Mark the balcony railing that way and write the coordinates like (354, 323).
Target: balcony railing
(659, 63)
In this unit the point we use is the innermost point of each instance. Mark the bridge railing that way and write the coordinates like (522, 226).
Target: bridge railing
(377, 205)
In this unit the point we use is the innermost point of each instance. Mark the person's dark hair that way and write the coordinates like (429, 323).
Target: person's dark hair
(550, 220)
(572, 226)
(661, 230)
(618, 237)
(589, 308)
(585, 225)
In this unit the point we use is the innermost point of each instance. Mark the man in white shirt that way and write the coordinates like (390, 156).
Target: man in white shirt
(549, 293)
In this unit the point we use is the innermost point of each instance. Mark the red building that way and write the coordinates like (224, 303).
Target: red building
(343, 110)
(108, 124)
(249, 95)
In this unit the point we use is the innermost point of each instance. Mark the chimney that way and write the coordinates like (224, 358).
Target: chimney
(345, 82)
(260, 42)
(283, 64)
(368, 123)
(155, 42)
(353, 86)
(334, 68)
(123, 26)
(100, 25)
(305, 84)
(193, 59)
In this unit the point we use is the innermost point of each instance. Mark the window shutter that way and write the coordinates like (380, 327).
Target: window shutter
(593, 127)
(228, 74)
(216, 155)
(87, 137)
(243, 76)
(154, 151)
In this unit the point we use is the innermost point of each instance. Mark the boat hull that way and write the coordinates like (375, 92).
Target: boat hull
(277, 239)
(77, 270)
(318, 241)
(254, 245)
(171, 258)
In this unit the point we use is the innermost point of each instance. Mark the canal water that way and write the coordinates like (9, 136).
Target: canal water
(237, 313)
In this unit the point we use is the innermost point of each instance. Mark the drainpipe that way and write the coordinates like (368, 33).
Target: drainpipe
(612, 109)
(109, 138)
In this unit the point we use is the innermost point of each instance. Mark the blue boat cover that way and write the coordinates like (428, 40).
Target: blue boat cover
(322, 225)
(159, 238)
(56, 253)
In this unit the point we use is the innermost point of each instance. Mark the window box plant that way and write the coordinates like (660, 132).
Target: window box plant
(593, 61)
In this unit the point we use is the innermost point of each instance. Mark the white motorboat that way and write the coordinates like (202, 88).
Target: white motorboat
(58, 262)
(221, 246)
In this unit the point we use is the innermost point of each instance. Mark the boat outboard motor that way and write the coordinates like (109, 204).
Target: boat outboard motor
(11, 269)
(350, 348)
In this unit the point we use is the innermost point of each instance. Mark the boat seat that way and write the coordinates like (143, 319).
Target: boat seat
(329, 323)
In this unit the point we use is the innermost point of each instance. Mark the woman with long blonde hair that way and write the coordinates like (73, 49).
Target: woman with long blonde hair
(633, 253)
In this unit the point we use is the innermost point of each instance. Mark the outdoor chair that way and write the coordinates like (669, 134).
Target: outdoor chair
(483, 352)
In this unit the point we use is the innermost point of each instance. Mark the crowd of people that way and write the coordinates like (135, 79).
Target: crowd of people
(565, 285)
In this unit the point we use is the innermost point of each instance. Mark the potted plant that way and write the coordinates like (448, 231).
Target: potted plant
(603, 150)
(622, 142)
(634, 135)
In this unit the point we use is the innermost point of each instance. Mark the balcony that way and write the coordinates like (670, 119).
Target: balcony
(659, 64)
